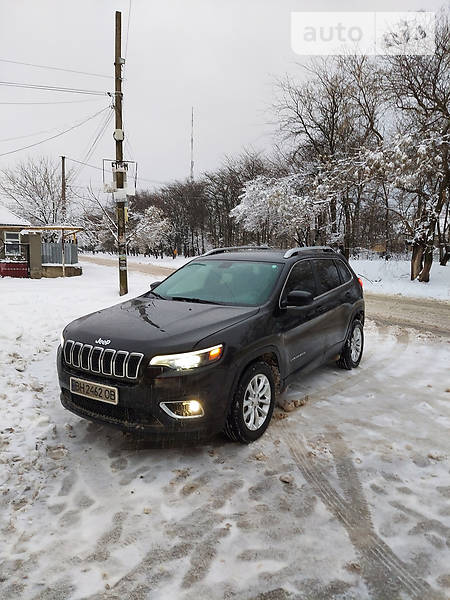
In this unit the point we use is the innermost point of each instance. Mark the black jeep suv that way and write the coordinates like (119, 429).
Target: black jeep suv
(208, 348)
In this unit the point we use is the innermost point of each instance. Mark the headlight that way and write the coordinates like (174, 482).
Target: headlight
(188, 360)
(61, 339)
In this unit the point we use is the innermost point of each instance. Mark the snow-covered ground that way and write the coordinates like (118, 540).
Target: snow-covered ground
(347, 496)
(379, 276)
(393, 277)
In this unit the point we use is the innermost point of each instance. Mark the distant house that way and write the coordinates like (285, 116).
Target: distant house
(23, 254)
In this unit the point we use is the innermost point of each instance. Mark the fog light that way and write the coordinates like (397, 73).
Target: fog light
(189, 409)
(194, 407)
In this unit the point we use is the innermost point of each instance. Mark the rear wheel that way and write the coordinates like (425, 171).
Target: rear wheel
(253, 404)
(353, 348)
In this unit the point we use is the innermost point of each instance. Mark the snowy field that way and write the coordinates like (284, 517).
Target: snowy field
(379, 276)
(347, 496)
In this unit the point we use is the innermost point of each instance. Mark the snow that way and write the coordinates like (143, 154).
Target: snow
(393, 277)
(9, 218)
(86, 512)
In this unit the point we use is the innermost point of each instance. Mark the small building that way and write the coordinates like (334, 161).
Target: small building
(24, 254)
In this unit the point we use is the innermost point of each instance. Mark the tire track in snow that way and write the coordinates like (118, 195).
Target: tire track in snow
(386, 576)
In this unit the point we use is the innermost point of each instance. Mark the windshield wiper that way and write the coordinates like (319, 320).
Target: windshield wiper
(197, 300)
(157, 295)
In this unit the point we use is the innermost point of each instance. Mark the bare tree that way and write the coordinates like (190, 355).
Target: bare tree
(33, 188)
(326, 117)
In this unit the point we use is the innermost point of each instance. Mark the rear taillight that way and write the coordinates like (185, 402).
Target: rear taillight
(360, 282)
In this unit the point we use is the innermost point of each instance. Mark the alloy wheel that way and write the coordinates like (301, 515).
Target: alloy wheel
(256, 402)
(356, 344)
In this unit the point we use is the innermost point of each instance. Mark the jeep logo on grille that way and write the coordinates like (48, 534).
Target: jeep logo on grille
(102, 342)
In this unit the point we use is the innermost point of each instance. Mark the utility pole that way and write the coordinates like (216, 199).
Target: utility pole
(192, 145)
(63, 211)
(63, 189)
(120, 168)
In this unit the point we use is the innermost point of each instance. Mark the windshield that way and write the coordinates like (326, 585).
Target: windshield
(240, 283)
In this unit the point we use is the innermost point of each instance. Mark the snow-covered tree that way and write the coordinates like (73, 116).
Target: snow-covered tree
(417, 168)
(278, 209)
(150, 231)
(145, 229)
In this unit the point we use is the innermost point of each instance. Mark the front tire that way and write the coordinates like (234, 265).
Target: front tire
(353, 348)
(252, 405)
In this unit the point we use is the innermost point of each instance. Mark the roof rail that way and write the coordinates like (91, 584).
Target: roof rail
(234, 248)
(295, 251)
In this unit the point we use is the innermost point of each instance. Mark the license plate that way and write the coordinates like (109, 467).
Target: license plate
(95, 391)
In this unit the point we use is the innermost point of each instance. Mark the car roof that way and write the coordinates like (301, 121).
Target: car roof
(259, 256)
(270, 254)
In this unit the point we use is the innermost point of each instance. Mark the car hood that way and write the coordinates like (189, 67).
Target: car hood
(151, 325)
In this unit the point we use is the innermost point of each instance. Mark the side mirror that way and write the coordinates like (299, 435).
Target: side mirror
(154, 284)
(299, 298)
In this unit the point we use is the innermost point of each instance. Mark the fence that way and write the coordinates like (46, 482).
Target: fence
(52, 253)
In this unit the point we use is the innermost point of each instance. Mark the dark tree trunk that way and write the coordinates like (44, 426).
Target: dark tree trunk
(333, 215)
(428, 261)
(348, 229)
(444, 256)
(416, 260)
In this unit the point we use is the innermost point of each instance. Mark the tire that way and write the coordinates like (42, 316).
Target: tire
(252, 405)
(353, 347)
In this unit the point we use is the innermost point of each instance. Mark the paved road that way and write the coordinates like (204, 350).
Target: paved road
(423, 314)
(112, 262)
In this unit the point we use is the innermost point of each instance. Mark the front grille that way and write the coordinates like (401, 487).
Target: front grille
(116, 363)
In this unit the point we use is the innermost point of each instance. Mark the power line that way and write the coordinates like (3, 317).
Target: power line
(80, 162)
(100, 169)
(54, 88)
(94, 143)
(58, 134)
(93, 139)
(52, 102)
(130, 149)
(128, 30)
(16, 62)
(152, 181)
(21, 137)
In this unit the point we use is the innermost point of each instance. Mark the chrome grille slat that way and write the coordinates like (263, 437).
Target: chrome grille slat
(105, 361)
(68, 351)
(76, 351)
(118, 368)
(134, 369)
(108, 352)
(96, 350)
(85, 361)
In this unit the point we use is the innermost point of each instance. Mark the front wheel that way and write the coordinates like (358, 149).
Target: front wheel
(253, 404)
(353, 348)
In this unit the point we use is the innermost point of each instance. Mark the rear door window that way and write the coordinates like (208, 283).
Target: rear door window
(327, 275)
(344, 272)
(301, 278)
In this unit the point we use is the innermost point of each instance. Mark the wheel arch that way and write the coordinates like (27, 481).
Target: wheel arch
(268, 354)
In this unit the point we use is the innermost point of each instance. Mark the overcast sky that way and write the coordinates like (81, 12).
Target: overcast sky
(220, 56)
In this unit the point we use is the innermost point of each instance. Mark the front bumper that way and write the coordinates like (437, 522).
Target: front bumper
(139, 410)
